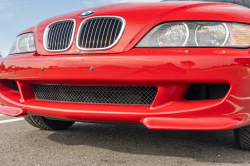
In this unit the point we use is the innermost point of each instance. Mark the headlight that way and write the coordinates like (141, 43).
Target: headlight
(174, 34)
(198, 34)
(23, 43)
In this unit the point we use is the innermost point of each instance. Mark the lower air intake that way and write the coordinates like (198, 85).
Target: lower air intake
(207, 91)
(126, 95)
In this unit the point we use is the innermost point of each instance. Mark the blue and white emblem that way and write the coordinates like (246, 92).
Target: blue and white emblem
(88, 13)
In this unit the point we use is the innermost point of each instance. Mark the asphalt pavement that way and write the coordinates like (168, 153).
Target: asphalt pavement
(115, 144)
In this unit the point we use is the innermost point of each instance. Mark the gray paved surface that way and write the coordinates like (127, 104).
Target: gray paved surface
(96, 144)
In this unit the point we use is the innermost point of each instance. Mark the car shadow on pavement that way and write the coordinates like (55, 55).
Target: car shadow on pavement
(202, 146)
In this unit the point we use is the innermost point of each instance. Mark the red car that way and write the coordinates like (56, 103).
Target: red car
(171, 65)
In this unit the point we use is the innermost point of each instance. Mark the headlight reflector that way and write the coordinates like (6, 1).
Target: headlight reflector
(198, 34)
(211, 35)
(23, 43)
(175, 34)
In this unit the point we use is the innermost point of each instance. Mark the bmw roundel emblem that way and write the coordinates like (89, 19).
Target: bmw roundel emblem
(88, 13)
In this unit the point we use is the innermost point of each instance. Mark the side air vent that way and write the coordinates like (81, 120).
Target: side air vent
(100, 33)
(209, 91)
(58, 36)
(15, 87)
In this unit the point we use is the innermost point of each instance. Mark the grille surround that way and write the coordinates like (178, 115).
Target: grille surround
(45, 36)
(104, 48)
(119, 95)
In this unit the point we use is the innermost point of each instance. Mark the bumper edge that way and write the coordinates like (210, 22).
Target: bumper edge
(218, 123)
(12, 111)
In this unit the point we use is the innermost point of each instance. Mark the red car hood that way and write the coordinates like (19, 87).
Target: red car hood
(141, 17)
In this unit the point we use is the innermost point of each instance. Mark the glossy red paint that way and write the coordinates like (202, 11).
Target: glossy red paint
(141, 17)
(190, 124)
(11, 111)
(165, 68)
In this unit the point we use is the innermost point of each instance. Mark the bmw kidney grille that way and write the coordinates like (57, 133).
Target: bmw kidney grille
(58, 36)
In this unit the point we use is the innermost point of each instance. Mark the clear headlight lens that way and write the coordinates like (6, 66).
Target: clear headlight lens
(198, 34)
(214, 35)
(23, 43)
(174, 34)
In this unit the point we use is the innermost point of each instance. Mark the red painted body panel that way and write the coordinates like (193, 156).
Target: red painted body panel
(166, 68)
(12, 111)
(141, 17)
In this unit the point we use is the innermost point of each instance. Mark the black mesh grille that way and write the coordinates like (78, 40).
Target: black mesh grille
(99, 32)
(128, 95)
(59, 35)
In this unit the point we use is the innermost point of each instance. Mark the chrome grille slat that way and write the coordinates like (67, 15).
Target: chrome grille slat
(99, 33)
(125, 95)
(53, 37)
(49, 38)
(64, 43)
(98, 41)
(66, 33)
(61, 36)
(103, 34)
(88, 32)
(92, 32)
(95, 40)
(58, 36)
(116, 32)
(85, 30)
(69, 33)
(110, 40)
(107, 34)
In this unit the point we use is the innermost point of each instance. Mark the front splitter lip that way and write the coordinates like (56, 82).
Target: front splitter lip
(157, 121)
(12, 111)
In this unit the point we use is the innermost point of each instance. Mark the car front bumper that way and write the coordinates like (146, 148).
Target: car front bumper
(170, 70)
